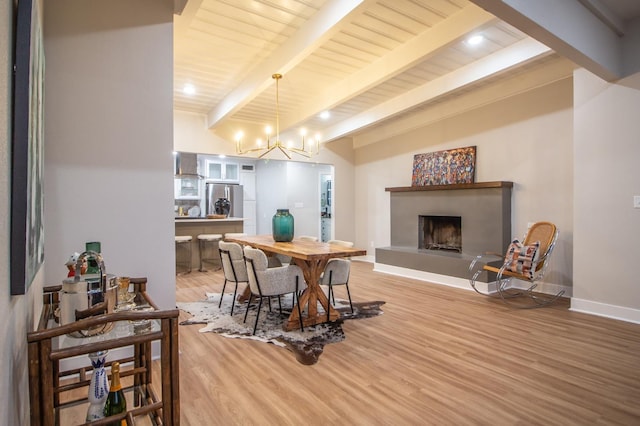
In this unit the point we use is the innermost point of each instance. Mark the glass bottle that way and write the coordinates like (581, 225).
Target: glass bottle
(282, 225)
(92, 262)
(115, 403)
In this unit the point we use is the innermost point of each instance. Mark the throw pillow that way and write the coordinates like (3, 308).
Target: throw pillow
(522, 259)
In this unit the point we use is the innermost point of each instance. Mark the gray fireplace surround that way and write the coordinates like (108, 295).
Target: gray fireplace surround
(485, 212)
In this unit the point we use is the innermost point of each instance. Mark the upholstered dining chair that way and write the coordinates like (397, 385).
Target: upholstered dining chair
(234, 268)
(267, 282)
(526, 261)
(337, 273)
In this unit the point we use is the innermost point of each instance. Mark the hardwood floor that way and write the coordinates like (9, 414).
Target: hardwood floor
(437, 355)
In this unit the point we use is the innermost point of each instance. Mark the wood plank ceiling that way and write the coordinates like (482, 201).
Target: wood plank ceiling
(362, 60)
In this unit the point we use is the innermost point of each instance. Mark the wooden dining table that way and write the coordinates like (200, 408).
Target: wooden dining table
(311, 257)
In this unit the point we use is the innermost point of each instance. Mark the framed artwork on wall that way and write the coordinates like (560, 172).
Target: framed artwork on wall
(449, 167)
(27, 154)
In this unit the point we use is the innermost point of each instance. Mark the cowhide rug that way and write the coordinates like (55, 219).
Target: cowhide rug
(307, 346)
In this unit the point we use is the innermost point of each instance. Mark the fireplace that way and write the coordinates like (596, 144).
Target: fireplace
(484, 208)
(440, 233)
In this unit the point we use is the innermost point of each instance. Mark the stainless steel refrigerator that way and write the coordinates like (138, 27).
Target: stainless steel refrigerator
(232, 192)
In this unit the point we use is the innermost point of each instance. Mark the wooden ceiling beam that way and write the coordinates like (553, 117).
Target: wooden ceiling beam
(425, 45)
(503, 60)
(321, 27)
(547, 72)
(567, 27)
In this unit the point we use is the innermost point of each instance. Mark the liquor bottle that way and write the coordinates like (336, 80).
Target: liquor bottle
(92, 262)
(115, 403)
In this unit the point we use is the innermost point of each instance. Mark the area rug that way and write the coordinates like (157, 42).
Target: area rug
(306, 345)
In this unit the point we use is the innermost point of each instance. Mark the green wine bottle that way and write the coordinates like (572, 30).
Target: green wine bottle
(92, 262)
(115, 403)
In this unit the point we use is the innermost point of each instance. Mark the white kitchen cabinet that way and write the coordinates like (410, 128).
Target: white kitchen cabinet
(222, 171)
(249, 214)
(248, 182)
(187, 188)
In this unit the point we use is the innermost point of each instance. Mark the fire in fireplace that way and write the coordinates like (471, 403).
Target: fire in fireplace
(440, 233)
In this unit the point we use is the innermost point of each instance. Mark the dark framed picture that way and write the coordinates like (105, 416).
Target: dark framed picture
(449, 167)
(27, 153)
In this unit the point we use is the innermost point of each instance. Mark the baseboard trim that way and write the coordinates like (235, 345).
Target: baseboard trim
(545, 288)
(605, 310)
(620, 313)
(426, 276)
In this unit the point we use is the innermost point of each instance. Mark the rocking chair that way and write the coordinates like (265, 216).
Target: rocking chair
(525, 261)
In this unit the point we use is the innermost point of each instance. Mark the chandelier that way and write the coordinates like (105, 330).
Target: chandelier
(287, 149)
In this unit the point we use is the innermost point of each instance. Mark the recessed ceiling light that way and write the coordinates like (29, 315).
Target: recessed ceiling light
(475, 40)
(189, 89)
(325, 115)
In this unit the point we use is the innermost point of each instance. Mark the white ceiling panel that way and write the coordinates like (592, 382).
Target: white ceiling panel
(227, 50)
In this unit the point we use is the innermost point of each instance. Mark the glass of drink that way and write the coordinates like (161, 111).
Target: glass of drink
(124, 297)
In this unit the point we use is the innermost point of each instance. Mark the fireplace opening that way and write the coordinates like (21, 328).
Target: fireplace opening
(440, 233)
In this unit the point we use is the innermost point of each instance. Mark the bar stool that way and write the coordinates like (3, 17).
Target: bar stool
(183, 245)
(203, 239)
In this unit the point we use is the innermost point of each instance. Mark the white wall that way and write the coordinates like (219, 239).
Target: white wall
(18, 314)
(270, 193)
(526, 139)
(607, 153)
(301, 194)
(108, 166)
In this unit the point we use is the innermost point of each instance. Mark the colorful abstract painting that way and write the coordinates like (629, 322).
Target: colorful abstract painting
(452, 166)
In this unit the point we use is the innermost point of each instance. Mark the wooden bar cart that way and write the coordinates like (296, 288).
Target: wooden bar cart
(54, 391)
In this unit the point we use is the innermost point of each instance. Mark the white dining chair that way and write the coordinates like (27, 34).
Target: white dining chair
(337, 273)
(234, 268)
(266, 282)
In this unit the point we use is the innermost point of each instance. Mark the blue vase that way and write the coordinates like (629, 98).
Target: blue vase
(282, 226)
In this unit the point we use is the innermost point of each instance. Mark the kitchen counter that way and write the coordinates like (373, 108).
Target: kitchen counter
(187, 219)
(195, 226)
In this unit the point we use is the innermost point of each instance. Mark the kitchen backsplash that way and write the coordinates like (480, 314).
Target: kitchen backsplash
(186, 205)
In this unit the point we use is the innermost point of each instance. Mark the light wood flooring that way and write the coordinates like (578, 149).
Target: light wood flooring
(437, 356)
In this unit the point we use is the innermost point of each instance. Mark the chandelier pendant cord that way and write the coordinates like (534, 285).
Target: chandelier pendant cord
(278, 143)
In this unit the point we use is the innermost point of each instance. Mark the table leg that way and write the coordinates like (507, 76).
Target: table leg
(311, 269)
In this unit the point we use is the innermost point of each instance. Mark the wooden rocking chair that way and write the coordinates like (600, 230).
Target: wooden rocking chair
(525, 261)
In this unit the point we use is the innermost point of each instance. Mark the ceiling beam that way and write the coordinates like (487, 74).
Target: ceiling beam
(545, 73)
(178, 6)
(182, 21)
(321, 27)
(567, 27)
(503, 60)
(420, 48)
(605, 15)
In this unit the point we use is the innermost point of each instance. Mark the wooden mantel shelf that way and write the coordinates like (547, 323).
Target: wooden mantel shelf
(479, 185)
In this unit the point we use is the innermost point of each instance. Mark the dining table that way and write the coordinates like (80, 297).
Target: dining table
(311, 257)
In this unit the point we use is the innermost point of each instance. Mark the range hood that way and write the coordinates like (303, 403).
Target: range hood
(186, 165)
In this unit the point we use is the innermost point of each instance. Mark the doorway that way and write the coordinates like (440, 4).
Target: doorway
(326, 207)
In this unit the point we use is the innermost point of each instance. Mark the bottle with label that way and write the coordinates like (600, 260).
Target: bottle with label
(116, 402)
